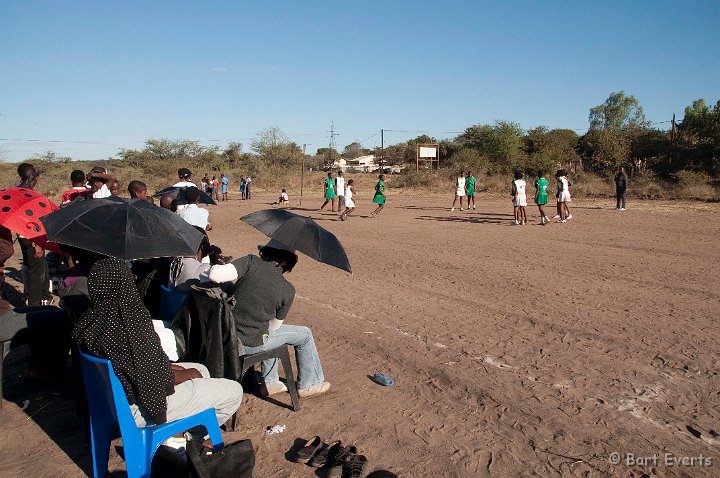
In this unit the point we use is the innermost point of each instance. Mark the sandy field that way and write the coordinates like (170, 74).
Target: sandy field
(581, 349)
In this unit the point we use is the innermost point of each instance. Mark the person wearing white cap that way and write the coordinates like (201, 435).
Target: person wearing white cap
(263, 298)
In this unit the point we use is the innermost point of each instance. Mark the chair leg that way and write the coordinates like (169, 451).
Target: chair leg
(3, 352)
(100, 438)
(290, 379)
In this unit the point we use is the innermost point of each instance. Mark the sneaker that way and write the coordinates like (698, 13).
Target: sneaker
(355, 467)
(462, 209)
(516, 223)
(569, 216)
(622, 208)
(273, 388)
(542, 221)
(556, 216)
(524, 222)
(316, 389)
(452, 208)
(473, 207)
(561, 221)
(547, 220)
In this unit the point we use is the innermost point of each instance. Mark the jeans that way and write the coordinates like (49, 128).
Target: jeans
(308, 361)
(621, 196)
(198, 394)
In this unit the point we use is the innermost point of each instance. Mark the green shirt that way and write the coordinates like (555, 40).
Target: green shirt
(470, 185)
(542, 184)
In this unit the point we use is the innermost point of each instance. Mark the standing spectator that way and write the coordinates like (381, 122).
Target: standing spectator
(621, 183)
(247, 187)
(224, 186)
(242, 187)
(137, 190)
(216, 186)
(77, 178)
(98, 178)
(38, 286)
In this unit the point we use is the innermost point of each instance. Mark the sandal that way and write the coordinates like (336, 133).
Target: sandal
(306, 453)
(356, 467)
(343, 456)
(326, 455)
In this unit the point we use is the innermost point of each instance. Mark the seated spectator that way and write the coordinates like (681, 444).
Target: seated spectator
(168, 201)
(137, 190)
(118, 327)
(77, 178)
(188, 271)
(263, 298)
(193, 214)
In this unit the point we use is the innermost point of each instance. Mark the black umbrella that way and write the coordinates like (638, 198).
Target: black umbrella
(122, 229)
(302, 234)
(179, 193)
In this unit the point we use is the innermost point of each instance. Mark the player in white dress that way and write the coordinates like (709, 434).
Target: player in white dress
(459, 190)
(519, 198)
(348, 198)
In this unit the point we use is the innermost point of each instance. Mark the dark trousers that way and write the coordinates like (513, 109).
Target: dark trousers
(6, 252)
(247, 191)
(621, 196)
(38, 287)
(46, 329)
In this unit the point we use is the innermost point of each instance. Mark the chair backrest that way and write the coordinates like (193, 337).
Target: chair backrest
(106, 395)
(170, 302)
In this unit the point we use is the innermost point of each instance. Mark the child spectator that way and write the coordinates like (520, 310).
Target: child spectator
(77, 178)
(114, 187)
(98, 178)
(348, 199)
(519, 198)
(283, 200)
(541, 186)
(137, 190)
(224, 186)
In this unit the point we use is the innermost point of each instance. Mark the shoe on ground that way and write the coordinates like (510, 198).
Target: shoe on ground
(341, 461)
(622, 208)
(556, 216)
(473, 207)
(316, 389)
(569, 216)
(516, 223)
(452, 208)
(273, 388)
(524, 222)
(356, 466)
(561, 221)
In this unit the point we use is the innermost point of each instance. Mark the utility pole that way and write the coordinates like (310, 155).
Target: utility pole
(302, 173)
(382, 149)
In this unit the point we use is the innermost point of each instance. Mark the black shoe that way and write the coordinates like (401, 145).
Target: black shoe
(343, 456)
(326, 455)
(356, 467)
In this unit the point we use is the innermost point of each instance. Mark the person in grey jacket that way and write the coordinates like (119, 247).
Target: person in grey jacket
(621, 184)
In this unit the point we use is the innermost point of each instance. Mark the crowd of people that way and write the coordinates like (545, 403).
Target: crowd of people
(105, 311)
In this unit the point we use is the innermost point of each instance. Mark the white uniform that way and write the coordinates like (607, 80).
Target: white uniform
(340, 185)
(564, 195)
(348, 198)
(460, 187)
(520, 197)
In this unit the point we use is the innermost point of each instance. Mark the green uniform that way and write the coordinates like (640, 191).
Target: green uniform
(470, 186)
(542, 185)
(379, 193)
(329, 188)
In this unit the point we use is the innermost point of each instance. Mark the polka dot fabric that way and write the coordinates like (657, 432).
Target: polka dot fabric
(118, 327)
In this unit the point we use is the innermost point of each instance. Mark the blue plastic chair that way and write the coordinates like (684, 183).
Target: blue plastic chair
(109, 410)
(170, 302)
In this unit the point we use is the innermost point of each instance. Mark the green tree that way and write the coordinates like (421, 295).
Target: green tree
(603, 151)
(549, 149)
(618, 112)
(275, 149)
(502, 143)
(355, 150)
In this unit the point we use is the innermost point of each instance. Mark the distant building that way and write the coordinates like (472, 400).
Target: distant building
(362, 164)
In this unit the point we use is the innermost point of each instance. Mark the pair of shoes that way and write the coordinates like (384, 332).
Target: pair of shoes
(309, 450)
(326, 455)
(348, 464)
(316, 389)
(452, 208)
(273, 388)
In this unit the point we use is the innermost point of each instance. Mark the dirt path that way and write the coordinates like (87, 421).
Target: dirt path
(517, 350)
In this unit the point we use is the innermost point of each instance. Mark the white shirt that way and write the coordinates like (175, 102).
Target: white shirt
(103, 192)
(194, 215)
(184, 184)
(520, 187)
(340, 185)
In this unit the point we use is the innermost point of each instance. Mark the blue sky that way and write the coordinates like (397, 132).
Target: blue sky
(86, 78)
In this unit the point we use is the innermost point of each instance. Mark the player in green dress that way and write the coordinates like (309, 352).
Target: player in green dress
(329, 188)
(470, 189)
(379, 197)
(541, 197)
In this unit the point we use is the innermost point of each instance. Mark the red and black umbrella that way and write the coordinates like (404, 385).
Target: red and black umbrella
(21, 210)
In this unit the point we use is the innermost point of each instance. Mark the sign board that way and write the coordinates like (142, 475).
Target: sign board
(428, 152)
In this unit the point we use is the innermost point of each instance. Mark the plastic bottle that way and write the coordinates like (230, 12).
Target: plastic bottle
(382, 379)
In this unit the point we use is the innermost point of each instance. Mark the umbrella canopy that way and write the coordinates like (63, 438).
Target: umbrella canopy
(179, 193)
(21, 210)
(122, 229)
(302, 234)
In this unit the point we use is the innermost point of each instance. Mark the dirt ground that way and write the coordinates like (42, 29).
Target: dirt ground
(516, 350)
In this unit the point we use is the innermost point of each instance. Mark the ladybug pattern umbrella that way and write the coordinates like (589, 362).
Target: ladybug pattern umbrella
(21, 210)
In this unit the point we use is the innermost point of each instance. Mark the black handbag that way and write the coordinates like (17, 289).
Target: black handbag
(235, 460)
